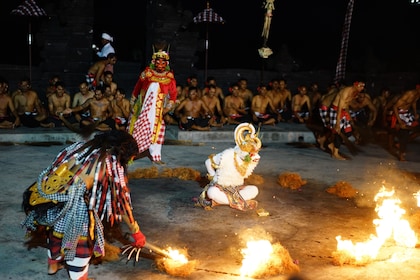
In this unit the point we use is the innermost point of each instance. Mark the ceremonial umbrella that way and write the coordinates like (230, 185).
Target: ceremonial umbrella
(340, 70)
(207, 16)
(29, 9)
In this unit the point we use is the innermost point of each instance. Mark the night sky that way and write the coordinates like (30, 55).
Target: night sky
(382, 32)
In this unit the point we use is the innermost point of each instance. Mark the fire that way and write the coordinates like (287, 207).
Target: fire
(263, 259)
(389, 225)
(176, 263)
(176, 256)
(256, 255)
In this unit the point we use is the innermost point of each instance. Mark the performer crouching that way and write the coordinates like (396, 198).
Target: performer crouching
(85, 184)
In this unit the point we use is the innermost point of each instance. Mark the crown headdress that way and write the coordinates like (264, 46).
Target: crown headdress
(247, 139)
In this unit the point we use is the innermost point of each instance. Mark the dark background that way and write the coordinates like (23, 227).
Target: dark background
(384, 34)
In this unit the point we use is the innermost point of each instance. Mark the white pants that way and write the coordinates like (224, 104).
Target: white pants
(247, 192)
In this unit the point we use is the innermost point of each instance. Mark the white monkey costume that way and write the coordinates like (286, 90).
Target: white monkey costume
(228, 169)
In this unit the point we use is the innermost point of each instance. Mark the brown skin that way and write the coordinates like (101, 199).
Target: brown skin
(6, 105)
(213, 103)
(298, 101)
(120, 108)
(194, 107)
(234, 105)
(100, 108)
(361, 101)
(408, 100)
(260, 104)
(58, 102)
(26, 100)
(98, 68)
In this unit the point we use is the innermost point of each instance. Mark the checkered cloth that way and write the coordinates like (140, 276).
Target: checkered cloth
(408, 118)
(323, 113)
(149, 128)
(344, 121)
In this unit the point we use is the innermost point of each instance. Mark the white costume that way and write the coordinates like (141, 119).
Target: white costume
(107, 48)
(228, 170)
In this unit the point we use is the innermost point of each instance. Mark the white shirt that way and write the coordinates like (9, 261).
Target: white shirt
(106, 49)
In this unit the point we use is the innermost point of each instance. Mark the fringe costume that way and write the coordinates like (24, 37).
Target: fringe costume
(72, 208)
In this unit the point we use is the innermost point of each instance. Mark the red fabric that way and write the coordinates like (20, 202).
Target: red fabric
(166, 81)
(139, 239)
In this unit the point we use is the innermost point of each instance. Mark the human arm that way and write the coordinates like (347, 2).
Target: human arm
(138, 236)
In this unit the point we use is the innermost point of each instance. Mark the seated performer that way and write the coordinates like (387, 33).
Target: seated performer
(228, 169)
(85, 185)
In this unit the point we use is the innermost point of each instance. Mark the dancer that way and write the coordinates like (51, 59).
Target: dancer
(153, 96)
(228, 169)
(84, 186)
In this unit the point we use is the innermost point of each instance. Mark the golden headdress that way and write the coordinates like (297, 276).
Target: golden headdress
(247, 139)
(160, 53)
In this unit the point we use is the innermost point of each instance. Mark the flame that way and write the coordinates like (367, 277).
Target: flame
(176, 263)
(389, 225)
(417, 196)
(176, 256)
(256, 255)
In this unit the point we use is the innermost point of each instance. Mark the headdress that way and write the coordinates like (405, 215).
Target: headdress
(108, 37)
(247, 139)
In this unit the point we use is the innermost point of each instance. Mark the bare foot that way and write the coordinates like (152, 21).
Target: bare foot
(337, 156)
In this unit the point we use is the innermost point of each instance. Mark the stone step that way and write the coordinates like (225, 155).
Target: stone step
(281, 133)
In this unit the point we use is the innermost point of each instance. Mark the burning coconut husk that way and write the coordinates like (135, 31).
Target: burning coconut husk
(343, 189)
(182, 173)
(390, 226)
(290, 180)
(171, 261)
(177, 264)
(263, 259)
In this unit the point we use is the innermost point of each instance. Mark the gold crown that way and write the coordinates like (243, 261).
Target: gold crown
(247, 139)
(160, 55)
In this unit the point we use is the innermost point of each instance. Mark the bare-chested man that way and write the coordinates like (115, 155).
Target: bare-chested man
(340, 120)
(301, 105)
(120, 109)
(95, 73)
(100, 112)
(261, 104)
(380, 102)
(234, 107)
(211, 81)
(108, 79)
(58, 102)
(245, 93)
(362, 110)
(8, 115)
(28, 105)
(282, 98)
(193, 113)
(80, 98)
(406, 118)
(213, 103)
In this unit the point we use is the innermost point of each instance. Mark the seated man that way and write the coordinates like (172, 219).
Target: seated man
(80, 98)
(213, 102)
(260, 106)
(28, 105)
(57, 103)
(120, 109)
(8, 115)
(100, 112)
(301, 106)
(228, 169)
(234, 108)
(193, 113)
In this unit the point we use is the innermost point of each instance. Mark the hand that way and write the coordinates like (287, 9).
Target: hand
(139, 239)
